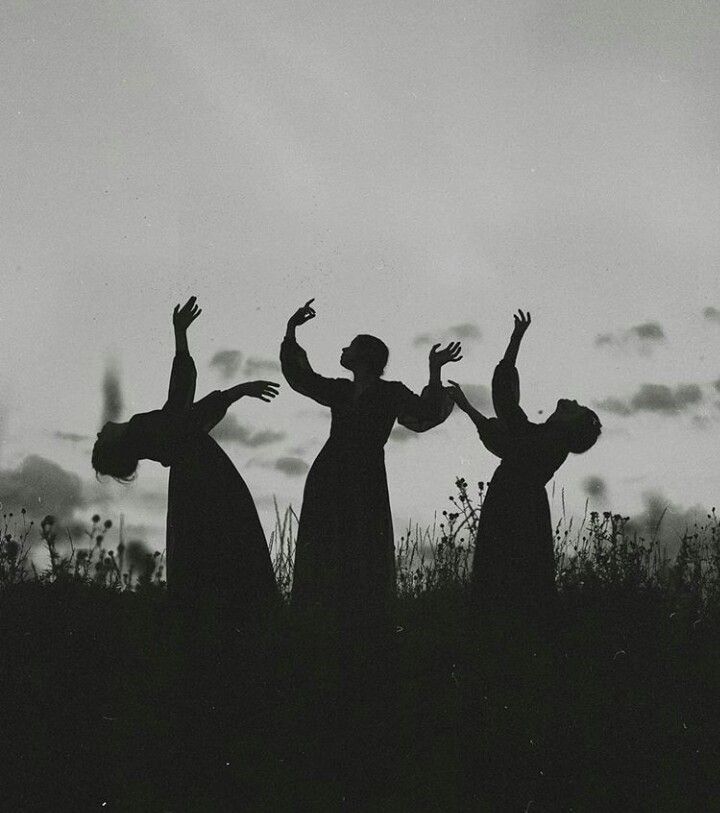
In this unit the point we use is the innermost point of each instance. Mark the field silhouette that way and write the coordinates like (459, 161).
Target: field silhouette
(113, 701)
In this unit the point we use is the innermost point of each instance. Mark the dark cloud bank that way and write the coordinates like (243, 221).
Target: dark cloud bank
(658, 398)
(230, 364)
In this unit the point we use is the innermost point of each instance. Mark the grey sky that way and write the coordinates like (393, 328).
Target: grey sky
(413, 166)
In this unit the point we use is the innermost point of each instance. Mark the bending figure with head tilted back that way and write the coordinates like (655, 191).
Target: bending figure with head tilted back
(345, 563)
(514, 558)
(511, 701)
(216, 547)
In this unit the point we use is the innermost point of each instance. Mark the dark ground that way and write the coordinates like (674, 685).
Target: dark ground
(100, 712)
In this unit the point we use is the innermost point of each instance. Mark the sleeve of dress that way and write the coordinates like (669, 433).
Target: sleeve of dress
(209, 411)
(181, 392)
(506, 396)
(422, 412)
(301, 376)
(494, 436)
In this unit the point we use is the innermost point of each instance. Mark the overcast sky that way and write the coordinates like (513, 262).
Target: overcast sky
(421, 168)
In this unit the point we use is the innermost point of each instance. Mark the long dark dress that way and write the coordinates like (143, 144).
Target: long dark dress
(215, 543)
(345, 555)
(509, 711)
(513, 565)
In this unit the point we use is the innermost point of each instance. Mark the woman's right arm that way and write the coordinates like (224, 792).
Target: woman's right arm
(491, 431)
(295, 364)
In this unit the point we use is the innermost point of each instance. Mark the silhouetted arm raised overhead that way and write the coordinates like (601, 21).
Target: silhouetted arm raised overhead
(506, 381)
(296, 366)
(183, 377)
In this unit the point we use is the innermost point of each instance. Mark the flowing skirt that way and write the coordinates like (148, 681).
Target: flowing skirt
(514, 565)
(216, 547)
(345, 555)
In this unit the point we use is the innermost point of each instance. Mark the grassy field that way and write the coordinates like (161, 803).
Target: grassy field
(112, 702)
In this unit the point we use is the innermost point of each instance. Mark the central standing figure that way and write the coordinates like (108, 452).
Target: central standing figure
(345, 553)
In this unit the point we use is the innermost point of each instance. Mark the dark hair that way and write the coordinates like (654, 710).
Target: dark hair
(583, 431)
(375, 352)
(116, 459)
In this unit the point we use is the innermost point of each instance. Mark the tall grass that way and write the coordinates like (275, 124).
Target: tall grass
(601, 551)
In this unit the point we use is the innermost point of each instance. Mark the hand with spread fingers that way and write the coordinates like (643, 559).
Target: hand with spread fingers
(184, 316)
(264, 390)
(451, 353)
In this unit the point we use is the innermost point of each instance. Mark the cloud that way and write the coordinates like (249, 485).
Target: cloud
(71, 437)
(615, 405)
(227, 361)
(640, 338)
(465, 331)
(650, 331)
(595, 487)
(232, 430)
(292, 466)
(255, 365)
(230, 364)
(112, 394)
(661, 398)
(479, 396)
(712, 314)
(655, 398)
(41, 486)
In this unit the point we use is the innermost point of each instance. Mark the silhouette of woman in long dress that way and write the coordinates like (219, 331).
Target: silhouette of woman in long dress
(514, 557)
(345, 563)
(216, 547)
(511, 710)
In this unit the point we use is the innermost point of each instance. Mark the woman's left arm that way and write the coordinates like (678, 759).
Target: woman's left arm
(183, 377)
(422, 412)
(210, 410)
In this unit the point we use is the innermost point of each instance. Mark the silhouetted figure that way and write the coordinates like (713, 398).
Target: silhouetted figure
(216, 549)
(344, 574)
(512, 710)
(514, 559)
(345, 549)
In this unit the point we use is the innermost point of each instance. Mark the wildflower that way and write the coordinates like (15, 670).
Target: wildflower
(96, 518)
(107, 524)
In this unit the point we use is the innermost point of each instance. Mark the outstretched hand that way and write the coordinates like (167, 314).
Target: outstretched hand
(522, 323)
(451, 353)
(264, 390)
(458, 396)
(303, 314)
(185, 316)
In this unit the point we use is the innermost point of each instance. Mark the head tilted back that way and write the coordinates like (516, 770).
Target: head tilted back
(374, 351)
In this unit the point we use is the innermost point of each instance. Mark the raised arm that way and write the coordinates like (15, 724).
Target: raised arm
(506, 381)
(296, 366)
(422, 412)
(183, 377)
